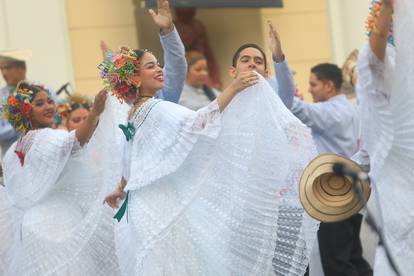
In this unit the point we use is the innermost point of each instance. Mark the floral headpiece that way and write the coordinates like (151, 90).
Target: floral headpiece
(375, 10)
(116, 70)
(71, 102)
(17, 108)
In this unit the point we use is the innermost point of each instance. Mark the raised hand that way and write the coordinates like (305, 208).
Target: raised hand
(99, 102)
(163, 17)
(274, 44)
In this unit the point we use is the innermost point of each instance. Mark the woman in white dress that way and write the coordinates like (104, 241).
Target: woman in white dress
(55, 181)
(385, 93)
(211, 192)
(74, 111)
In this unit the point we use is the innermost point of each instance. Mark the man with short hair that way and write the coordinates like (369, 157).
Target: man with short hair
(13, 70)
(335, 124)
(250, 58)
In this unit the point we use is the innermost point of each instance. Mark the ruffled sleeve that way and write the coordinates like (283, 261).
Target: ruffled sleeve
(372, 71)
(168, 133)
(44, 161)
(373, 92)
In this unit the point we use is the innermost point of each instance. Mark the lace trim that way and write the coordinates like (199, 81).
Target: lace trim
(25, 142)
(139, 115)
(211, 112)
(76, 145)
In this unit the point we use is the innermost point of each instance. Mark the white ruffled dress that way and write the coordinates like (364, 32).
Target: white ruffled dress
(56, 218)
(215, 193)
(386, 94)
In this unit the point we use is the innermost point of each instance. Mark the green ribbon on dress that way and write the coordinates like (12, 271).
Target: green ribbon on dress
(128, 130)
(121, 212)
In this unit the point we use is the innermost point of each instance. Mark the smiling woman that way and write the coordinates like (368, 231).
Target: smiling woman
(49, 169)
(134, 76)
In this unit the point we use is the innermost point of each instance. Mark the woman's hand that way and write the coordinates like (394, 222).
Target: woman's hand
(113, 198)
(163, 18)
(274, 44)
(99, 102)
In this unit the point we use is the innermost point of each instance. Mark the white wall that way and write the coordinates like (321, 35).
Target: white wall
(347, 26)
(38, 25)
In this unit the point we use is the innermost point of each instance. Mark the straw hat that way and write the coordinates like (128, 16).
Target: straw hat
(328, 197)
(15, 55)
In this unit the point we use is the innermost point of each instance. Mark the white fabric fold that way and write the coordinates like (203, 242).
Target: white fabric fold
(387, 97)
(217, 194)
(60, 226)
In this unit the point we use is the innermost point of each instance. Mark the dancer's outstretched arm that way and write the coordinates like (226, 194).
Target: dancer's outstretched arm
(175, 65)
(85, 131)
(379, 35)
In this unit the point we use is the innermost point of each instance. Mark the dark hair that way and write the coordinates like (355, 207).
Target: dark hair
(75, 106)
(245, 46)
(140, 53)
(25, 86)
(329, 72)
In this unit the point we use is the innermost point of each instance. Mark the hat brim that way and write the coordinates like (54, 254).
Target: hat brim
(15, 56)
(328, 197)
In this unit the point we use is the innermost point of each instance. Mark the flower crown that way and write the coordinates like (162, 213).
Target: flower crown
(116, 69)
(17, 108)
(375, 9)
(67, 106)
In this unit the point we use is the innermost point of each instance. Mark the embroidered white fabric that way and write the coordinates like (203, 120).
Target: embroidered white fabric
(60, 226)
(217, 194)
(6, 237)
(373, 92)
(393, 139)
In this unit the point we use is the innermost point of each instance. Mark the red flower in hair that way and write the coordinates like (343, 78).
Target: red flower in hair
(26, 109)
(123, 88)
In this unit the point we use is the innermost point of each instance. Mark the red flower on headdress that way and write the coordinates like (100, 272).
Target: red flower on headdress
(25, 109)
(123, 88)
(114, 78)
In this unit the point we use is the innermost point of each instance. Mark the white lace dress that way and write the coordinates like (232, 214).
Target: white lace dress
(6, 238)
(216, 194)
(60, 226)
(386, 94)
